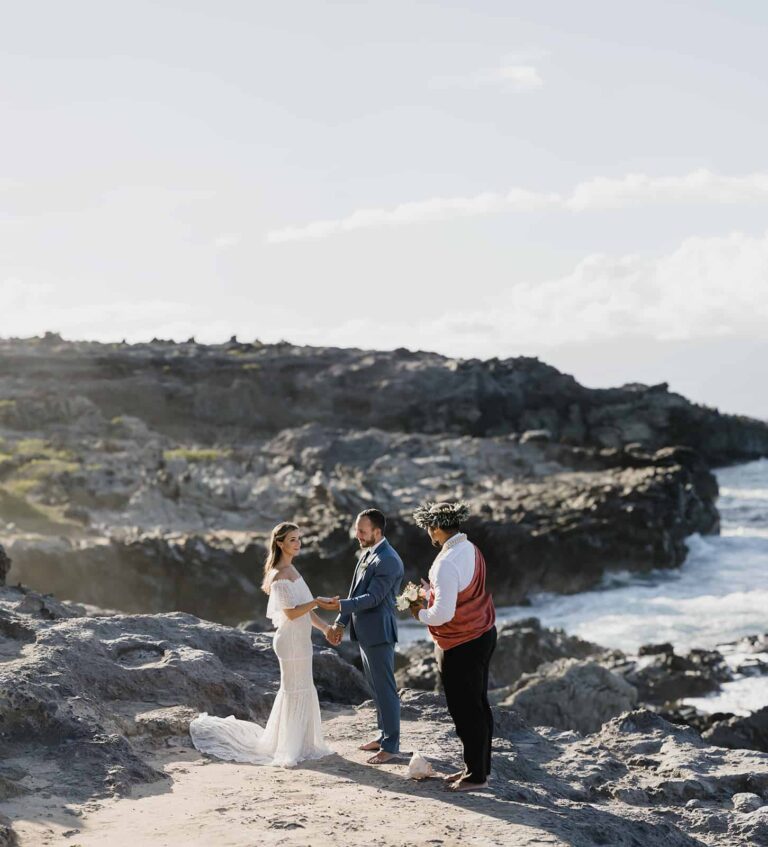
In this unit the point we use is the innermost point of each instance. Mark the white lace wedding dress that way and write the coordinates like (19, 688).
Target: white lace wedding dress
(293, 732)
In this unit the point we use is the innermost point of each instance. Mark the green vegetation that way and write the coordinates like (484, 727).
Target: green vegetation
(39, 469)
(29, 517)
(20, 487)
(39, 449)
(197, 454)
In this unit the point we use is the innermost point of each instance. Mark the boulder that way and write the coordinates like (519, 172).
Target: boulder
(571, 694)
(419, 670)
(662, 677)
(747, 802)
(749, 732)
(524, 645)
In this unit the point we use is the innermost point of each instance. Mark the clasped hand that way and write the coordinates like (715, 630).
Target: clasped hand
(330, 604)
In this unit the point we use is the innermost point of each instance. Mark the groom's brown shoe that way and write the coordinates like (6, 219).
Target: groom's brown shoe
(370, 746)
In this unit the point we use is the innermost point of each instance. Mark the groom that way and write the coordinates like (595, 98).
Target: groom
(369, 612)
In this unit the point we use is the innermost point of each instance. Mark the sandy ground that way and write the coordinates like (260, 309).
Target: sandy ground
(338, 800)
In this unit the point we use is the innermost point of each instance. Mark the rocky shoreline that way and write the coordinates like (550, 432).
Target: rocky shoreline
(145, 477)
(89, 699)
(563, 681)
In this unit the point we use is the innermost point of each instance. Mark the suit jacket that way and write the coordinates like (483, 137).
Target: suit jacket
(369, 611)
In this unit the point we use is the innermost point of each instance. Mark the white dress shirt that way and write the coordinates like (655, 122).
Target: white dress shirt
(451, 572)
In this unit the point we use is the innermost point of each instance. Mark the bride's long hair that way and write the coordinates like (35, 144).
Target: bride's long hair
(278, 534)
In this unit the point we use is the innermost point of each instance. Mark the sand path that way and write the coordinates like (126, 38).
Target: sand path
(339, 800)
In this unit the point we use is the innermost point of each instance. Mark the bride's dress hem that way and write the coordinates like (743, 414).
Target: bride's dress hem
(209, 736)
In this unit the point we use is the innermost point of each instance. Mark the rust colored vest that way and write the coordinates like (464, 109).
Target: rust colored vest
(474, 614)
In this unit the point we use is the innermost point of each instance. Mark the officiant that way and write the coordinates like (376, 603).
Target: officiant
(461, 620)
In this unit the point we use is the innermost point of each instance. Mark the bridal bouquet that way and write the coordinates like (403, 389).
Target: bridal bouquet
(412, 595)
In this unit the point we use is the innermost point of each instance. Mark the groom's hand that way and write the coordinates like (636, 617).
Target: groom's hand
(334, 635)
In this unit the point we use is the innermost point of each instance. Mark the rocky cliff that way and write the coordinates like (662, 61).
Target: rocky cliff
(145, 477)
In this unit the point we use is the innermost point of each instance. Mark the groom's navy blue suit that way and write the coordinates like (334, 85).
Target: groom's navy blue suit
(369, 612)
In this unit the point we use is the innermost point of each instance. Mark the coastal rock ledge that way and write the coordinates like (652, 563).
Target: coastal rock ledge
(95, 707)
(146, 477)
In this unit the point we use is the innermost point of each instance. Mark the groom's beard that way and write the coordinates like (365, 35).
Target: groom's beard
(437, 544)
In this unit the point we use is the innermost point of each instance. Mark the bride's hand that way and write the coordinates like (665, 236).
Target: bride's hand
(330, 604)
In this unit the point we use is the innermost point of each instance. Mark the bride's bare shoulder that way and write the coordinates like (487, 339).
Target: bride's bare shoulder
(284, 575)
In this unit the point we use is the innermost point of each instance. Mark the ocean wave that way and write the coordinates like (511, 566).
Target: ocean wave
(741, 697)
(744, 493)
(744, 532)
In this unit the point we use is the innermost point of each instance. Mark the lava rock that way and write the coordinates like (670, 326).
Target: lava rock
(569, 694)
(747, 802)
(750, 732)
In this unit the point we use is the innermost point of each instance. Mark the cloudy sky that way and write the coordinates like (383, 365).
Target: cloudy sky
(584, 182)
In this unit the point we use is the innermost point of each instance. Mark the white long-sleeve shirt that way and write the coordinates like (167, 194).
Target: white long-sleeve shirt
(451, 572)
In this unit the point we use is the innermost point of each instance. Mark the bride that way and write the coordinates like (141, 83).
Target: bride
(293, 731)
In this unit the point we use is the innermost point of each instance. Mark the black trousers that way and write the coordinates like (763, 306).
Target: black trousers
(464, 674)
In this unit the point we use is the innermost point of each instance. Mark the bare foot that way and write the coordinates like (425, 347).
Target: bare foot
(381, 757)
(370, 745)
(465, 785)
(452, 777)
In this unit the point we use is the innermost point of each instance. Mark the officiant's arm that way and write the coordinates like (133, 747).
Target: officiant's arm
(446, 591)
(387, 574)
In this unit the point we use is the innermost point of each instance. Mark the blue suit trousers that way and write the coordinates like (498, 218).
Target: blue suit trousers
(379, 668)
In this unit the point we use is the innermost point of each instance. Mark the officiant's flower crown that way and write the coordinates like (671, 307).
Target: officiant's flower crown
(441, 515)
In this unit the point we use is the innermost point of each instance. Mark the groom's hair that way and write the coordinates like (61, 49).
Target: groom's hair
(376, 518)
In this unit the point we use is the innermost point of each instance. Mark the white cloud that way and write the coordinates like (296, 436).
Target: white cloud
(700, 186)
(435, 209)
(706, 288)
(518, 77)
(516, 73)
(227, 239)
